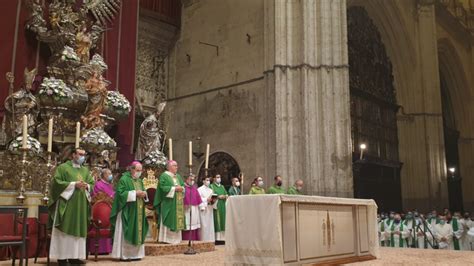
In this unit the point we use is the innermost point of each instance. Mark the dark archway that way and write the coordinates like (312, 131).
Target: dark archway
(373, 114)
(223, 164)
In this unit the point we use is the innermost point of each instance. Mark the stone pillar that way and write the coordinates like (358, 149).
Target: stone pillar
(308, 131)
(421, 129)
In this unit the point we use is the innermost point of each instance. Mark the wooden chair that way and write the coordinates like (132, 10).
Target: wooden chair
(100, 225)
(17, 237)
(44, 234)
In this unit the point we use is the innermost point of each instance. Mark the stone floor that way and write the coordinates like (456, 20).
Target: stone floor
(389, 256)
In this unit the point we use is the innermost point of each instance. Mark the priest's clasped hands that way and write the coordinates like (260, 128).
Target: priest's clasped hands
(81, 185)
(179, 188)
(141, 194)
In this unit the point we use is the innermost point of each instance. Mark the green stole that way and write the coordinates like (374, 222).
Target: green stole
(454, 223)
(382, 230)
(170, 210)
(400, 241)
(134, 224)
(219, 214)
(73, 215)
(234, 191)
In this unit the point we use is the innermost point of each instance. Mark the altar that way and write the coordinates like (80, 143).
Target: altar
(284, 229)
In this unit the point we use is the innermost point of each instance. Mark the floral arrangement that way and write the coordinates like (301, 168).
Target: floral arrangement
(69, 54)
(155, 158)
(55, 88)
(99, 62)
(31, 143)
(118, 101)
(97, 140)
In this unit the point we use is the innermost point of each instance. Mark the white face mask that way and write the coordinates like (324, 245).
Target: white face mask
(138, 174)
(191, 183)
(218, 180)
(237, 184)
(206, 183)
(260, 183)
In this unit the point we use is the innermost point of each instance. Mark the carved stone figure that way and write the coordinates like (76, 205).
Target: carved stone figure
(150, 130)
(96, 88)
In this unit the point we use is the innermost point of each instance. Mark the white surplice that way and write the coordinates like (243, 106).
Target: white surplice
(206, 214)
(64, 246)
(446, 231)
(121, 248)
(166, 235)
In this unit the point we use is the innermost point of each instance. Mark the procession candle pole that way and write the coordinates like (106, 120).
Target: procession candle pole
(190, 250)
(206, 165)
(241, 183)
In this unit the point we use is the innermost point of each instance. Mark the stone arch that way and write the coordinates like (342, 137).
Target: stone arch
(223, 163)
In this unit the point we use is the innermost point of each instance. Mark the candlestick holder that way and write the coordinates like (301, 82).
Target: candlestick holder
(50, 166)
(20, 199)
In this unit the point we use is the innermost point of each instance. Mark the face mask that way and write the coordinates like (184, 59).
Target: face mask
(237, 184)
(138, 174)
(81, 160)
(417, 214)
(279, 183)
(191, 183)
(218, 180)
(397, 220)
(206, 183)
(391, 216)
(110, 178)
(466, 216)
(260, 183)
(299, 188)
(442, 222)
(409, 217)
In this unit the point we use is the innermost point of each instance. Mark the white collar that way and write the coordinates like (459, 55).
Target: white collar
(170, 174)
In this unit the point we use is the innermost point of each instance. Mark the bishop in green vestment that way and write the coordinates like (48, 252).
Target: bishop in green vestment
(219, 211)
(296, 188)
(69, 209)
(169, 205)
(128, 217)
(277, 188)
(234, 190)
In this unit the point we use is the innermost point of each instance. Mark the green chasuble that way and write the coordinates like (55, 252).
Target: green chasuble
(255, 190)
(276, 190)
(293, 191)
(170, 210)
(134, 223)
(72, 215)
(219, 214)
(234, 191)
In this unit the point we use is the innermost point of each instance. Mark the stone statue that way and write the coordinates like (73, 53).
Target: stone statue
(20, 103)
(150, 130)
(83, 44)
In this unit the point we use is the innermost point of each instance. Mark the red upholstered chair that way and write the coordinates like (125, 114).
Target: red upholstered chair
(44, 234)
(100, 224)
(14, 231)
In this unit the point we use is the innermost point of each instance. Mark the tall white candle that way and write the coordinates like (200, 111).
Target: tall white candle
(170, 149)
(50, 135)
(207, 155)
(25, 132)
(78, 134)
(190, 153)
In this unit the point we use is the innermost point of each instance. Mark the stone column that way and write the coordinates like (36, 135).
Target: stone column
(308, 131)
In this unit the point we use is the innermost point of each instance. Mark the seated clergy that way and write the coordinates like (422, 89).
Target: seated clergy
(103, 190)
(257, 186)
(277, 187)
(234, 190)
(128, 218)
(297, 188)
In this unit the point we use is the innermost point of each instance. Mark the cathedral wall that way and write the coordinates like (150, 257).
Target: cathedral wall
(216, 82)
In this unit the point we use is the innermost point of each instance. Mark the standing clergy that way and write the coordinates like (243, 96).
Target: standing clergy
(234, 190)
(398, 233)
(70, 210)
(277, 188)
(457, 231)
(219, 209)
(411, 224)
(296, 188)
(207, 211)
(467, 225)
(443, 233)
(257, 186)
(424, 233)
(192, 200)
(169, 205)
(103, 188)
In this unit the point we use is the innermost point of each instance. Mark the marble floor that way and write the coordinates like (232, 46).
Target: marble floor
(389, 256)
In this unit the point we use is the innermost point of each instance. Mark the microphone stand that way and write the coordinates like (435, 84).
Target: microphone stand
(190, 250)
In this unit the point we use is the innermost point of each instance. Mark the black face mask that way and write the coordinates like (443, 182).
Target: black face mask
(279, 183)
(466, 216)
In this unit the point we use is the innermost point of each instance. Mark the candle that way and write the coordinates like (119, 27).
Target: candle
(78, 134)
(25, 132)
(170, 149)
(190, 153)
(242, 184)
(207, 155)
(50, 135)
